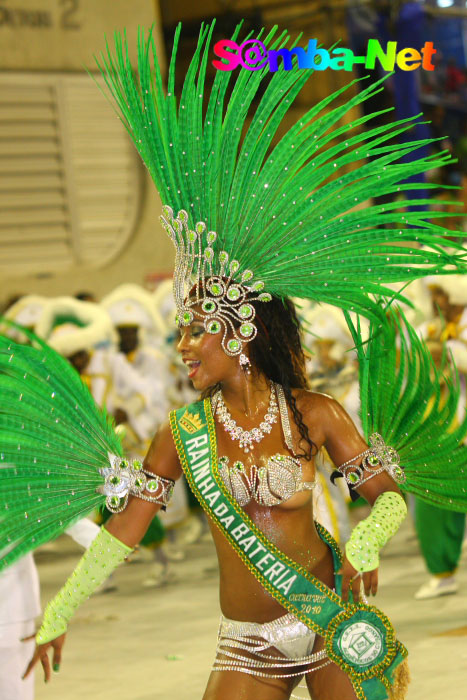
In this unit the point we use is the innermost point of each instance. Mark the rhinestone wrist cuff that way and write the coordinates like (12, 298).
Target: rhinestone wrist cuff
(378, 458)
(125, 477)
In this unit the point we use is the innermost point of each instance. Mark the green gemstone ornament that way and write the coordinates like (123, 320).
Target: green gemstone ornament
(373, 460)
(209, 306)
(247, 329)
(213, 326)
(233, 293)
(246, 311)
(234, 345)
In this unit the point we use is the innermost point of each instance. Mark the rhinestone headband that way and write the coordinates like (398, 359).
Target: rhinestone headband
(206, 279)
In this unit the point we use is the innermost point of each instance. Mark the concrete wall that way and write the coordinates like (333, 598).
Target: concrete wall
(63, 35)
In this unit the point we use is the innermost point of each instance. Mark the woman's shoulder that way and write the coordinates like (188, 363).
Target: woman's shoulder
(309, 402)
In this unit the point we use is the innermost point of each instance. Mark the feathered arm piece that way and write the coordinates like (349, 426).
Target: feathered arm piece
(60, 457)
(413, 406)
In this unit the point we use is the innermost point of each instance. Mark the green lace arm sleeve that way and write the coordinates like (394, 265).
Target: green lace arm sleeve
(103, 556)
(371, 534)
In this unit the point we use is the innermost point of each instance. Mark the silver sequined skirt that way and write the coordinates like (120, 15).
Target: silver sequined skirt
(248, 647)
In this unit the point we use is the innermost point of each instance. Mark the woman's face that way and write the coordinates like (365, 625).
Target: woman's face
(202, 353)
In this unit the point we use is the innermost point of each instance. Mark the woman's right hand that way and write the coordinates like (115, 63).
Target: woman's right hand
(41, 653)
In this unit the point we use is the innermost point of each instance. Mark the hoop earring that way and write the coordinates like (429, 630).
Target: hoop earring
(245, 363)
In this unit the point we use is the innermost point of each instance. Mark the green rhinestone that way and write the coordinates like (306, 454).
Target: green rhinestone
(234, 265)
(258, 286)
(233, 345)
(223, 257)
(353, 477)
(213, 327)
(209, 254)
(114, 501)
(182, 215)
(192, 236)
(216, 289)
(247, 275)
(124, 464)
(373, 460)
(139, 482)
(212, 235)
(187, 317)
(137, 464)
(398, 474)
(152, 485)
(265, 296)
(245, 311)
(246, 329)
(233, 293)
(200, 227)
(209, 306)
(115, 480)
(238, 465)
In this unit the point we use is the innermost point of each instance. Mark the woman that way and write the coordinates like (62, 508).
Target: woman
(266, 222)
(316, 421)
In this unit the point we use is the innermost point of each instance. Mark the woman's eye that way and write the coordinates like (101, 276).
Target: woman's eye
(197, 331)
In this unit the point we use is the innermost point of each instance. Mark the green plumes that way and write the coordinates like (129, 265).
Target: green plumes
(53, 441)
(284, 209)
(414, 405)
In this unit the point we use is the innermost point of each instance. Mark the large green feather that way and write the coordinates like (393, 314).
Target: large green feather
(414, 406)
(53, 441)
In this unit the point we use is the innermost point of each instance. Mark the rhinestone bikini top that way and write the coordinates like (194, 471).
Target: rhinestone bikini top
(268, 485)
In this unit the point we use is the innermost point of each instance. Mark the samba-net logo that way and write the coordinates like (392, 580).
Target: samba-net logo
(253, 55)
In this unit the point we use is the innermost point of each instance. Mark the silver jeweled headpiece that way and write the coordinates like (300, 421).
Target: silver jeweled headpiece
(208, 279)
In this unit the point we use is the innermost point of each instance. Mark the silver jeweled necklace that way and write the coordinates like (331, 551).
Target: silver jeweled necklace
(246, 438)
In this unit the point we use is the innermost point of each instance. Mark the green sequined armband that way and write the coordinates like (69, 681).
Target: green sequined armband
(103, 556)
(371, 534)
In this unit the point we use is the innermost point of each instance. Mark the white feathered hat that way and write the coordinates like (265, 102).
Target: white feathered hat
(131, 305)
(27, 310)
(69, 325)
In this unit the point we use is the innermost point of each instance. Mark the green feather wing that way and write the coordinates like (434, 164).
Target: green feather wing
(53, 441)
(284, 208)
(414, 406)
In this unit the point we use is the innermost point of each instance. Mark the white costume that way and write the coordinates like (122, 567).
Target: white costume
(19, 607)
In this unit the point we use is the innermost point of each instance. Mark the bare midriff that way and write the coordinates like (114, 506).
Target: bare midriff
(288, 525)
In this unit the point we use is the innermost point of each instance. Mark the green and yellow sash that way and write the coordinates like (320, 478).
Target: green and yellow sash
(359, 638)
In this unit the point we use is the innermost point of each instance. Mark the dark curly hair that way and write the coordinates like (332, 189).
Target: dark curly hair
(277, 353)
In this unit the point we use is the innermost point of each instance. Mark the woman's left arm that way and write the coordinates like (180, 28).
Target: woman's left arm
(344, 443)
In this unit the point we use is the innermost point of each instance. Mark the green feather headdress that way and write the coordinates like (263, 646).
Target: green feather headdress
(282, 210)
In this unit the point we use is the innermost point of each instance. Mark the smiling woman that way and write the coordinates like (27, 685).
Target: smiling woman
(268, 222)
